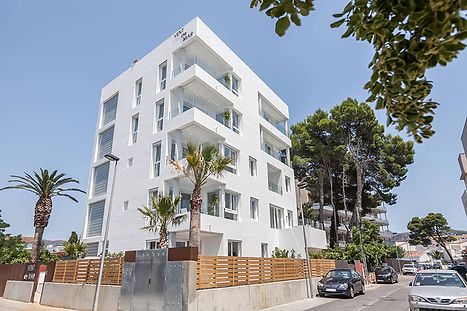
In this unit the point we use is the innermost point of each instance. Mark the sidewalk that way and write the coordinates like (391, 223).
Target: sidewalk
(305, 304)
(11, 305)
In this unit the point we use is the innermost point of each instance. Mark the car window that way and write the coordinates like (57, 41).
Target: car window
(338, 274)
(355, 275)
(407, 265)
(438, 279)
(383, 269)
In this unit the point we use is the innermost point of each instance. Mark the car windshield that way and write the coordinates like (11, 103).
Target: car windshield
(438, 279)
(383, 270)
(344, 274)
(408, 265)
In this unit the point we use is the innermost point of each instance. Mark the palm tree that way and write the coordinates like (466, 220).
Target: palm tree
(161, 213)
(202, 162)
(46, 187)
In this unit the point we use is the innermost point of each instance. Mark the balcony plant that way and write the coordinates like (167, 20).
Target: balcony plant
(227, 115)
(213, 207)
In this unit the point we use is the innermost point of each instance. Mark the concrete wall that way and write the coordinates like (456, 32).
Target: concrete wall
(18, 290)
(250, 297)
(79, 296)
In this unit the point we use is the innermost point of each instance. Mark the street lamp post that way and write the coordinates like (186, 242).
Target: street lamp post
(397, 251)
(115, 159)
(302, 185)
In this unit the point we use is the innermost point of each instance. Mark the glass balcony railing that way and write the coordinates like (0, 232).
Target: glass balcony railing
(275, 187)
(279, 155)
(228, 80)
(280, 125)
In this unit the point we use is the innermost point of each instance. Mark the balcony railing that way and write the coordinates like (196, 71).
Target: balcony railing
(279, 155)
(277, 124)
(275, 187)
(227, 80)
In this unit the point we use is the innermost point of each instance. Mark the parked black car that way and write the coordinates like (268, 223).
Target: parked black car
(345, 282)
(386, 274)
(462, 269)
(437, 265)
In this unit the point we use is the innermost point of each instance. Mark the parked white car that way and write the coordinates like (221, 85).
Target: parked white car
(409, 268)
(438, 290)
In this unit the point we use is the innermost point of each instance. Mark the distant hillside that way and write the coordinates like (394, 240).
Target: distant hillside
(404, 236)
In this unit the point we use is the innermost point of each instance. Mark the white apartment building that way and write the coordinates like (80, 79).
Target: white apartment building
(193, 88)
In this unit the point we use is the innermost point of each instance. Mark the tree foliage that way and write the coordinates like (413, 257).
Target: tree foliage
(74, 247)
(46, 257)
(408, 37)
(12, 248)
(375, 250)
(284, 253)
(436, 255)
(431, 228)
(45, 186)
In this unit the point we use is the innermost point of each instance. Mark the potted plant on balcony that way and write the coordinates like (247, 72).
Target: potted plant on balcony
(227, 80)
(213, 206)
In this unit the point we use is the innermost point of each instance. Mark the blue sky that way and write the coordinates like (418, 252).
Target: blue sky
(57, 55)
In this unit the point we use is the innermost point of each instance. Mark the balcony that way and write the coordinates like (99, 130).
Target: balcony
(376, 220)
(280, 125)
(280, 155)
(275, 187)
(197, 53)
(274, 146)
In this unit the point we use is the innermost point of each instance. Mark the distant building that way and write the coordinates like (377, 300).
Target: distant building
(53, 246)
(463, 166)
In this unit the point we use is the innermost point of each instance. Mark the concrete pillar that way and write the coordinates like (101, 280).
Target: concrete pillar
(182, 59)
(221, 201)
(178, 143)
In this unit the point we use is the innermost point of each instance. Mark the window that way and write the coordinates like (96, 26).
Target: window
(105, 142)
(235, 122)
(287, 184)
(264, 250)
(254, 208)
(134, 128)
(156, 155)
(173, 149)
(153, 245)
(163, 76)
(290, 218)
(101, 174)
(268, 148)
(184, 202)
(130, 162)
(184, 150)
(229, 152)
(153, 193)
(125, 205)
(95, 219)
(92, 249)
(234, 248)
(109, 110)
(235, 83)
(138, 91)
(231, 206)
(181, 244)
(159, 115)
(252, 164)
(276, 217)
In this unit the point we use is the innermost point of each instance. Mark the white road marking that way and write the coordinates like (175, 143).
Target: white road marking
(375, 301)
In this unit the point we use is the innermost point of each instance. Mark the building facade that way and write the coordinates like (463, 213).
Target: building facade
(463, 166)
(193, 89)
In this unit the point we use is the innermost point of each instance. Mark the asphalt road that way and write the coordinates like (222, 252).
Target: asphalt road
(386, 297)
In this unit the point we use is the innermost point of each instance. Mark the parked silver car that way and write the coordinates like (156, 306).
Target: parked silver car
(437, 290)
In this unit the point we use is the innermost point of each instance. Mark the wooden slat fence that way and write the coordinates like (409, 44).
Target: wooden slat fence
(226, 271)
(85, 271)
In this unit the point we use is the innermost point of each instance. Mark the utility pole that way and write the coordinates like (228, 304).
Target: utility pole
(302, 185)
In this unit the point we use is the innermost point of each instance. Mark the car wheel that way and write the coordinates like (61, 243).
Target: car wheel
(351, 293)
(321, 295)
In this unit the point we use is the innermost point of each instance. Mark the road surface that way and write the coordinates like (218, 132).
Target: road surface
(391, 297)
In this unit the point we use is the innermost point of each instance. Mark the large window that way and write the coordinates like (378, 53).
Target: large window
(184, 202)
(287, 184)
(264, 250)
(289, 218)
(231, 206)
(159, 115)
(95, 219)
(109, 110)
(105, 142)
(235, 83)
(138, 91)
(230, 153)
(163, 76)
(235, 122)
(276, 217)
(156, 158)
(92, 249)
(234, 248)
(101, 175)
(134, 128)
(252, 166)
(254, 208)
